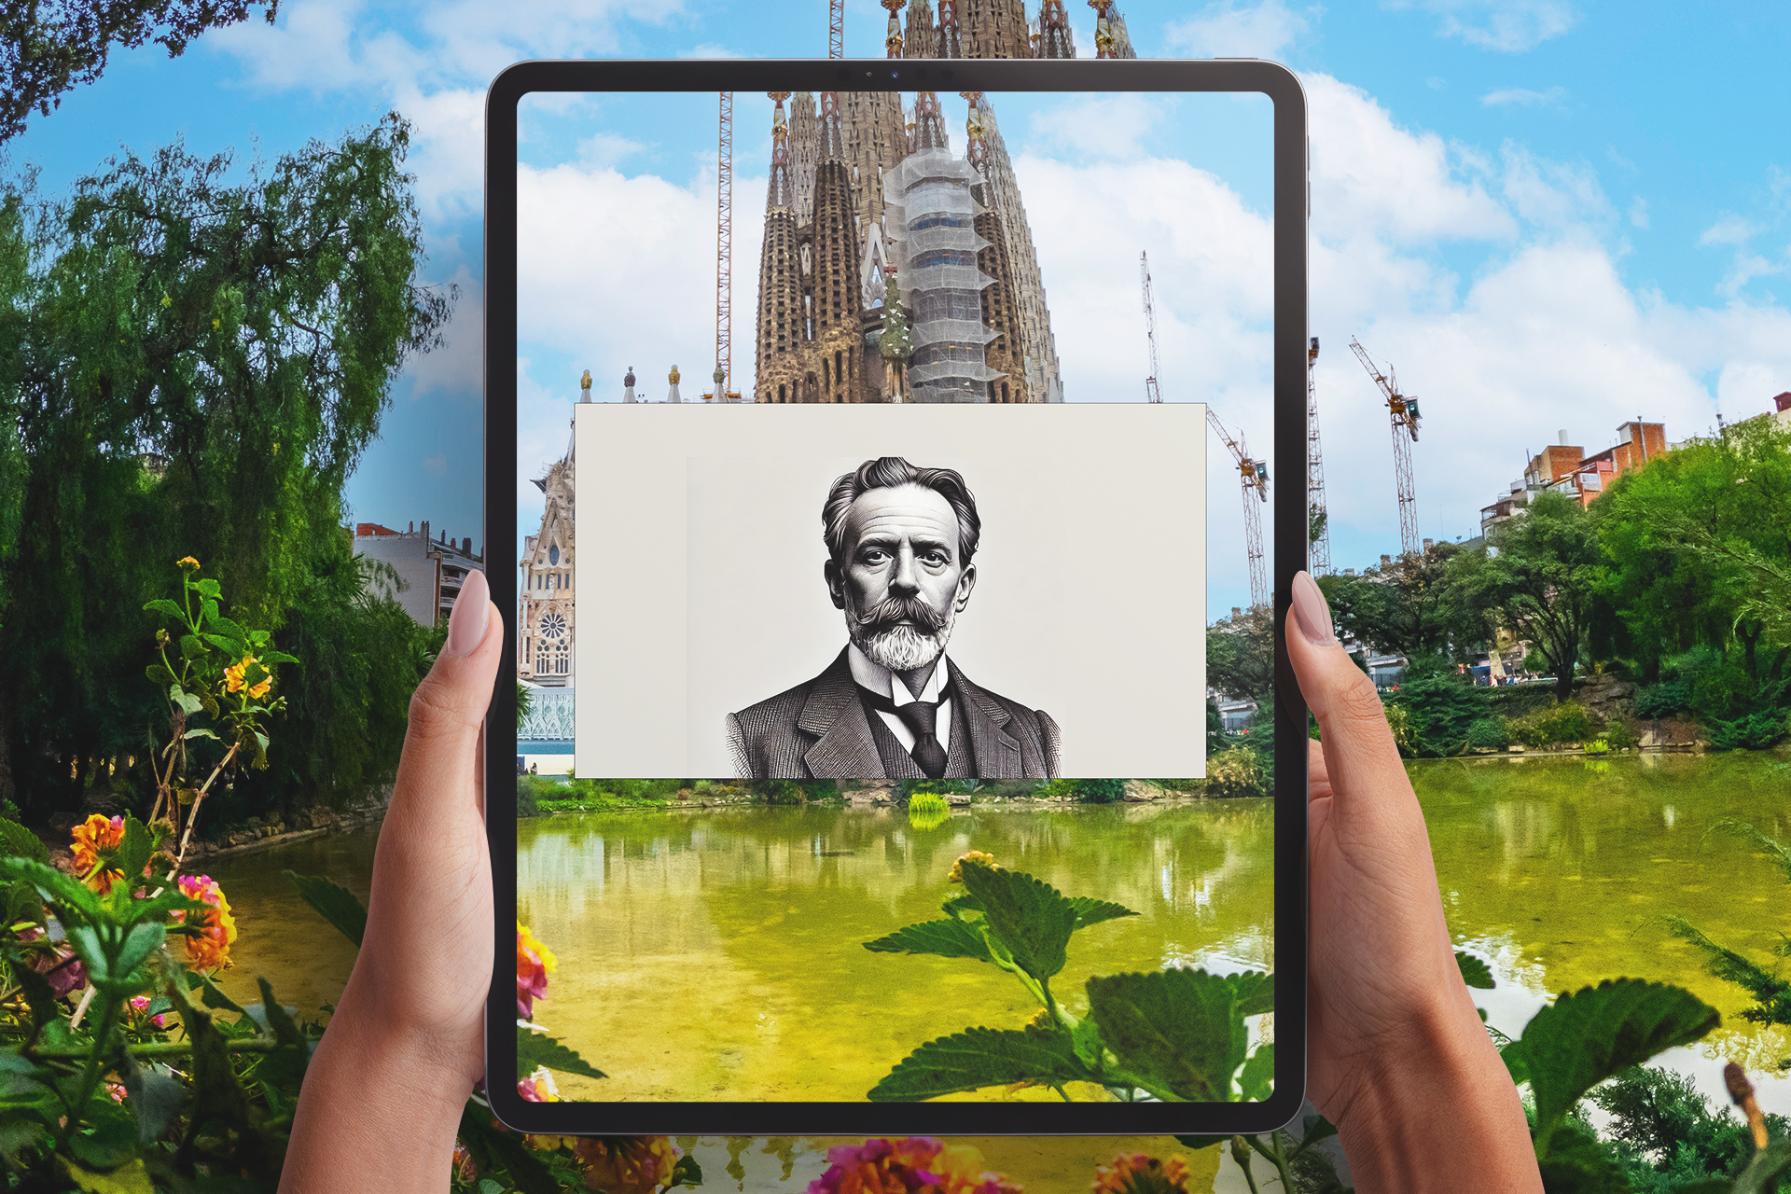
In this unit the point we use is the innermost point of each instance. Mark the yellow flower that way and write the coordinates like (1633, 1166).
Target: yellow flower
(260, 690)
(210, 950)
(187, 562)
(627, 1164)
(236, 678)
(1136, 1173)
(957, 868)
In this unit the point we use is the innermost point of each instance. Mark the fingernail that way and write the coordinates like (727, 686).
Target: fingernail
(1311, 612)
(466, 625)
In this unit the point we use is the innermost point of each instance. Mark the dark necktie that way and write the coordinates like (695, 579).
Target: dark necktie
(921, 718)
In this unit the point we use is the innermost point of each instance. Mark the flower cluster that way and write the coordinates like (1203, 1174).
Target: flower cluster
(94, 841)
(1136, 1173)
(539, 1087)
(627, 1164)
(236, 678)
(140, 1004)
(534, 962)
(915, 1165)
(210, 948)
(957, 868)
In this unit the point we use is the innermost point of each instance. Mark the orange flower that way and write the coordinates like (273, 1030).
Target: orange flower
(95, 840)
(626, 1164)
(210, 949)
(187, 562)
(534, 962)
(1136, 1173)
(236, 678)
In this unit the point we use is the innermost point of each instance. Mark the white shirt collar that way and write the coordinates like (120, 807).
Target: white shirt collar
(880, 680)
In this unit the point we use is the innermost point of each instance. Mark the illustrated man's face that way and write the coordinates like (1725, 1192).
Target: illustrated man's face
(902, 579)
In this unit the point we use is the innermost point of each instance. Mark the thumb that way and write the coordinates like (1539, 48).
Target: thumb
(448, 707)
(1360, 755)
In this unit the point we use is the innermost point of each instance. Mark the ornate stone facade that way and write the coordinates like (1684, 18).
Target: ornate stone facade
(545, 615)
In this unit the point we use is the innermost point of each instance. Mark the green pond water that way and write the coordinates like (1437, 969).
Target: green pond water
(709, 953)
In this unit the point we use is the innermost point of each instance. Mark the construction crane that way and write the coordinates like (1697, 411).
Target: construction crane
(724, 253)
(836, 28)
(1318, 520)
(1402, 412)
(1151, 392)
(1253, 478)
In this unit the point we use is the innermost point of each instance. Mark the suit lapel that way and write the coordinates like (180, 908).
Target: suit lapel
(844, 748)
(997, 752)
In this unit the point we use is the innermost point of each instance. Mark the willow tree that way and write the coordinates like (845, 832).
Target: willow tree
(201, 356)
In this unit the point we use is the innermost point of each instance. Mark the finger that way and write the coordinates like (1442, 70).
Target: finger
(1360, 757)
(1318, 776)
(448, 708)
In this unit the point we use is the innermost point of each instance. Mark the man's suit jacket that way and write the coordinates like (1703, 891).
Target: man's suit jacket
(820, 730)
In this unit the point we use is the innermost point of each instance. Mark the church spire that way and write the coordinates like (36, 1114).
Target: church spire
(833, 141)
(929, 124)
(779, 194)
(1054, 39)
(951, 40)
(892, 40)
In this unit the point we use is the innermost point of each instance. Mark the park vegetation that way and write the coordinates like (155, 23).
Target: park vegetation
(1667, 600)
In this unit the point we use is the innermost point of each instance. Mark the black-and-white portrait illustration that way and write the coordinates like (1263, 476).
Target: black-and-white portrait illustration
(901, 545)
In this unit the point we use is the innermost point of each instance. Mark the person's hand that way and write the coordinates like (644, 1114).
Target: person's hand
(1399, 1060)
(406, 1044)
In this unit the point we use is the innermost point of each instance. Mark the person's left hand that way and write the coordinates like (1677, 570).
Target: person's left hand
(406, 1044)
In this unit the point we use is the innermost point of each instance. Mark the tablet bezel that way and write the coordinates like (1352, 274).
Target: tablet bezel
(1291, 201)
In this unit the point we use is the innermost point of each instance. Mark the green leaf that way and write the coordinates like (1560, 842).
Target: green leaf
(335, 903)
(189, 702)
(278, 657)
(156, 1096)
(1029, 918)
(132, 1178)
(140, 940)
(20, 842)
(73, 901)
(1180, 1032)
(980, 1057)
(212, 995)
(284, 1067)
(1595, 1033)
(201, 732)
(948, 938)
(961, 903)
(134, 850)
(1090, 911)
(1202, 1141)
(161, 605)
(1257, 1079)
(1474, 972)
(191, 647)
(492, 1146)
(1765, 1169)
(228, 646)
(226, 626)
(1255, 992)
(208, 611)
(1580, 1162)
(535, 1049)
(208, 587)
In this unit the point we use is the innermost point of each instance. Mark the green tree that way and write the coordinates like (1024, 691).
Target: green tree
(1240, 653)
(198, 364)
(1698, 545)
(1407, 605)
(48, 47)
(1536, 574)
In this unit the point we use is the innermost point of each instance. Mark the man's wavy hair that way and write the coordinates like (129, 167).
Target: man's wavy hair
(886, 471)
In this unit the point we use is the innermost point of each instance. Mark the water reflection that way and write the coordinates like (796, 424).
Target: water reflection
(721, 954)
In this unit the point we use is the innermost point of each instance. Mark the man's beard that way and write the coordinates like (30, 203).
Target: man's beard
(900, 648)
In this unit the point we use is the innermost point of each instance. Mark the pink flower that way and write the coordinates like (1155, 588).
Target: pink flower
(915, 1165)
(534, 962)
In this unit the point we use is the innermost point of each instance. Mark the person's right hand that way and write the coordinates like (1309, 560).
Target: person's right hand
(1399, 1060)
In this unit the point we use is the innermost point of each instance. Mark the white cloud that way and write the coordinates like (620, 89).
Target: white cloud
(1524, 97)
(1509, 26)
(1237, 29)
(1729, 229)
(1638, 212)
(710, 50)
(1553, 194)
(1099, 126)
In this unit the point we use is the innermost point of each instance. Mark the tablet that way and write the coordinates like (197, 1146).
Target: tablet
(904, 466)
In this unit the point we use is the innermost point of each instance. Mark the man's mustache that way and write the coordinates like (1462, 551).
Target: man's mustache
(902, 609)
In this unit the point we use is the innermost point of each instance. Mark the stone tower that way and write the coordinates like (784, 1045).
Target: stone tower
(999, 315)
(782, 316)
(995, 29)
(836, 355)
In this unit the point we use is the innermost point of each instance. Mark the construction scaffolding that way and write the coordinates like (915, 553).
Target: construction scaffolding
(929, 216)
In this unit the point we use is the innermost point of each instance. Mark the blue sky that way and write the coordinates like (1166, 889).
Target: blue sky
(1547, 214)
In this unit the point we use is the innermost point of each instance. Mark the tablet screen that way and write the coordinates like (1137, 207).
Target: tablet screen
(893, 648)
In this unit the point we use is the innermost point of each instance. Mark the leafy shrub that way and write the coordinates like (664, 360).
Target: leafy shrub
(1751, 731)
(1566, 722)
(794, 791)
(924, 803)
(1440, 705)
(1598, 746)
(1619, 735)
(1487, 733)
(1056, 789)
(1100, 791)
(1405, 737)
(1236, 771)
(1668, 698)
(1665, 1133)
